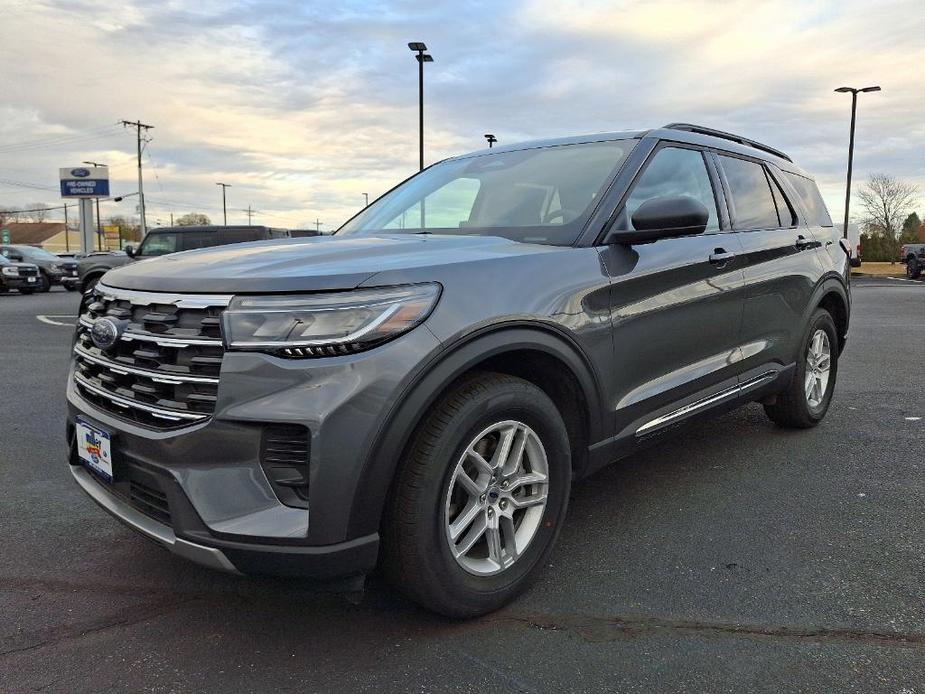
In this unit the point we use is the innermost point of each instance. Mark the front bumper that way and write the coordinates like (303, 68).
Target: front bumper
(70, 280)
(220, 509)
(20, 282)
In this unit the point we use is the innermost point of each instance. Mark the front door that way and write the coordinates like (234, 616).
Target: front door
(676, 304)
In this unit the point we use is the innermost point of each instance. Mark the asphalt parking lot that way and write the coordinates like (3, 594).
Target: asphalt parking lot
(735, 558)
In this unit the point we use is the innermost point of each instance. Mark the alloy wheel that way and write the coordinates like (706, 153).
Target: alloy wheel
(818, 368)
(496, 498)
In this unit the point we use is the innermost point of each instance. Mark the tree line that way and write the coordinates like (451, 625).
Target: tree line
(888, 220)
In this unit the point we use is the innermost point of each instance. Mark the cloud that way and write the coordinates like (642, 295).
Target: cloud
(305, 106)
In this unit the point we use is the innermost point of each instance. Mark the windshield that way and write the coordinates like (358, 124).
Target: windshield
(541, 195)
(33, 253)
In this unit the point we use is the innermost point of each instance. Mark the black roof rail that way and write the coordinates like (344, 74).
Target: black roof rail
(688, 127)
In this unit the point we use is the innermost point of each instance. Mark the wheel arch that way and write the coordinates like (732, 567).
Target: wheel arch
(541, 355)
(832, 295)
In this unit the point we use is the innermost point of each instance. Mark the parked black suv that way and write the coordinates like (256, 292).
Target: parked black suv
(421, 389)
(52, 269)
(163, 240)
(23, 277)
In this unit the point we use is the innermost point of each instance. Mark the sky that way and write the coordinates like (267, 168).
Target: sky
(304, 106)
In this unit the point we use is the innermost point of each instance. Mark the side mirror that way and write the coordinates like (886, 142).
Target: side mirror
(129, 251)
(662, 218)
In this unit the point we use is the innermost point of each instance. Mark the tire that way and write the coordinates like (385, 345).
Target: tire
(71, 287)
(44, 283)
(913, 269)
(90, 283)
(427, 498)
(796, 408)
(25, 291)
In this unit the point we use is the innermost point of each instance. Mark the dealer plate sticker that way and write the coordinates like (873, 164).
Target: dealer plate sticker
(94, 446)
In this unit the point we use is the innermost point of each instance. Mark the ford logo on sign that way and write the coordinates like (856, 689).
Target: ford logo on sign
(80, 173)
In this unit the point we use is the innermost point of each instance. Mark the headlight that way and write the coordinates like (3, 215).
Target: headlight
(57, 268)
(10, 271)
(317, 325)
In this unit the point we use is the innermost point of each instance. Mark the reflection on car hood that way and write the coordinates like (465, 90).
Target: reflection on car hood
(308, 264)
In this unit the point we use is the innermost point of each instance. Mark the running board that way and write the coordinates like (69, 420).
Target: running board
(706, 402)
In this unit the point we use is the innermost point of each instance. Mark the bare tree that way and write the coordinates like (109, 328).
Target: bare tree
(38, 211)
(887, 201)
(193, 219)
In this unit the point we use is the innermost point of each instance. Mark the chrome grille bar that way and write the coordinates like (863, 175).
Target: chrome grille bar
(161, 339)
(159, 412)
(147, 373)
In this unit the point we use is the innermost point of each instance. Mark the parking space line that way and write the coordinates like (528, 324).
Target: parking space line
(50, 319)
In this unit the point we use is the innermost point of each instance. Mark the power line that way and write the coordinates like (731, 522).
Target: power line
(60, 140)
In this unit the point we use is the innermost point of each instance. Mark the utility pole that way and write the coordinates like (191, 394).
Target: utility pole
(366, 198)
(139, 126)
(224, 207)
(317, 225)
(249, 213)
(171, 219)
(491, 139)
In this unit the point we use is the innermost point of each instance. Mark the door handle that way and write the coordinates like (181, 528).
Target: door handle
(802, 243)
(720, 256)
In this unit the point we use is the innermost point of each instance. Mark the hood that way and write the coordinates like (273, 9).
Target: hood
(308, 264)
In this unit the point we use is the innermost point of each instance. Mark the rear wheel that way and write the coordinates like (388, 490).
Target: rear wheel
(90, 283)
(806, 400)
(913, 269)
(478, 501)
(26, 291)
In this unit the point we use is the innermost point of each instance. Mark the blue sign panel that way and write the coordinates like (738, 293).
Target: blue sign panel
(84, 187)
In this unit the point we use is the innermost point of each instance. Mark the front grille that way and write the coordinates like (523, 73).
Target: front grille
(28, 272)
(150, 501)
(164, 369)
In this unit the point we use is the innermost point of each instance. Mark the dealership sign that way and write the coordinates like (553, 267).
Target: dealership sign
(85, 182)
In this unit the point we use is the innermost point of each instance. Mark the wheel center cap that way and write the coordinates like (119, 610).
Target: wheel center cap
(493, 494)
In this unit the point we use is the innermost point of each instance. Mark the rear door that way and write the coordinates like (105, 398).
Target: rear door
(779, 262)
(676, 304)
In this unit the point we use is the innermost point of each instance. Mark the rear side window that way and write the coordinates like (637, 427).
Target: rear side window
(751, 194)
(190, 240)
(812, 200)
(240, 235)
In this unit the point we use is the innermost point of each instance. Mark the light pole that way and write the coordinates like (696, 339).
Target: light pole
(854, 107)
(422, 58)
(224, 207)
(491, 139)
(99, 221)
(366, 199)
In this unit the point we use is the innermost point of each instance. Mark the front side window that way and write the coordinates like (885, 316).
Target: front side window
(751, 194)
(674, 172)
(541, 195)
(158, 244)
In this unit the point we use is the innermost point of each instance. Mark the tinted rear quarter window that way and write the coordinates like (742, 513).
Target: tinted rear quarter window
(190, 240)
(811, 199)
(751, 194)
(241, 235)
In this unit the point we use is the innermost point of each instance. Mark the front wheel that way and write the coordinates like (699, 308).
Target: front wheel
(806, 400)
(479, 499)
(44, 283)
(913, 269)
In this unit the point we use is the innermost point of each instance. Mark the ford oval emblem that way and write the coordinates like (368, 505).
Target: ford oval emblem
(106, 332)
(80, 173)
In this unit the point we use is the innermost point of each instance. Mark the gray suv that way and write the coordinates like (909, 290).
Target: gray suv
(419, 391)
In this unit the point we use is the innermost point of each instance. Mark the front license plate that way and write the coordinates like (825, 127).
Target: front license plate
(94, 446)
(30, 279)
